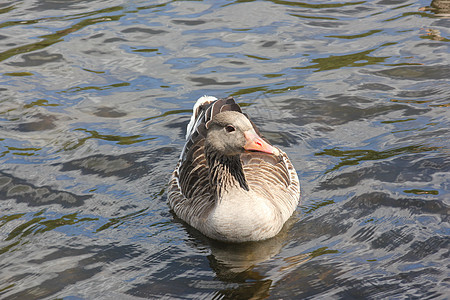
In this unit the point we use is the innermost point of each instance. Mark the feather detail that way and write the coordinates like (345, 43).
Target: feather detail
(202, 101)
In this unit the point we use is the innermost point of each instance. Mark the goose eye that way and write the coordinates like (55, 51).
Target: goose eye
(230, 128)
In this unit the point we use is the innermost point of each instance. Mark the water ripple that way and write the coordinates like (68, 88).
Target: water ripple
(94, 103)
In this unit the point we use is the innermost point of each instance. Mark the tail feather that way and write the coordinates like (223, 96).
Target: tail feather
(196, 111)
(221, 105)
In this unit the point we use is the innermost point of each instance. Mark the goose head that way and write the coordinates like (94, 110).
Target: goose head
(230, 133)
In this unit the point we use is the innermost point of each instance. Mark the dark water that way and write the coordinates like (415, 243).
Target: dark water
(94, 100)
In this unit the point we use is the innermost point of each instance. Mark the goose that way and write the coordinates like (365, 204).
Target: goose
(231, 184)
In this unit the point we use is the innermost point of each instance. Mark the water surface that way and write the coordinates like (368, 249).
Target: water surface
(94, 101)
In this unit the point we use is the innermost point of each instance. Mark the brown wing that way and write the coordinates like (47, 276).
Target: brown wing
(272, 177)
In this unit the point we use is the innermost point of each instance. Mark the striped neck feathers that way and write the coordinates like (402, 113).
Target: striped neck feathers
(225, 172)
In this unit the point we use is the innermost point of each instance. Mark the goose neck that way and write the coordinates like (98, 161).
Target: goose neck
(225, 173)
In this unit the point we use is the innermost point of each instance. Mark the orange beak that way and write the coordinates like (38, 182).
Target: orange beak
(256, 143)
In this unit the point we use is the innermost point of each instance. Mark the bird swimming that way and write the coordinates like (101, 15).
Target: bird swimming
(230, 183)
